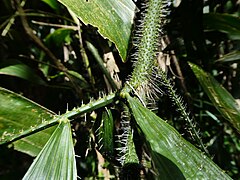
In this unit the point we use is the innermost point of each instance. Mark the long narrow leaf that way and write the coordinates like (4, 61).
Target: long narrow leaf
(173, 154)
(105, 134)
(22, 71)
(220, 97)
(225, 23)
(230, 57)
(57, 158)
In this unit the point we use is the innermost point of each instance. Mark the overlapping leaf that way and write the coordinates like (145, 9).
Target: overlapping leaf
(220, 97)
(57, 158)
(105, 134)
(112, 18)
(225, 23)
(230, 57)
(22, 71)
(167, 145)
(18, 114)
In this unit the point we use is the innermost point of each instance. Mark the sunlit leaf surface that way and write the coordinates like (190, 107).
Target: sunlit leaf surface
(57, 158)
(112, 18)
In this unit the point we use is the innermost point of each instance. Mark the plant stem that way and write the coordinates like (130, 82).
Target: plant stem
(148, 43)
(178, 102)
(84, 56)
(101, 102)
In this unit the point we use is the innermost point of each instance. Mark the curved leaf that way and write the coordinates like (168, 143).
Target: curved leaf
(18, 114)
(165, 141)
(220, 97)
(22, 71)
(57, 158)
(230, 57)
(59, 37)
(225, 23)
(112, 18)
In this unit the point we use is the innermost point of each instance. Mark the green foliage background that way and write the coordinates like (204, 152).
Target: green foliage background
(60, 66)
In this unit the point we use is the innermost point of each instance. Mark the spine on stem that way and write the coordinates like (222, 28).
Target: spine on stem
(147, 42)
(142, 81)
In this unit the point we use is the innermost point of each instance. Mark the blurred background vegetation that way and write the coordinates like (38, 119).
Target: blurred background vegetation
(206, 33)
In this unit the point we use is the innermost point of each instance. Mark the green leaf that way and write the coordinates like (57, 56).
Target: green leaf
(220, 97)
(113, 19)
(18, 114)
(57, 158)
(225, 23)
(230, 57)
(172, 155)
(59, 37)
(52, 3)
(22, 71)
(82, 81)
(106, 134)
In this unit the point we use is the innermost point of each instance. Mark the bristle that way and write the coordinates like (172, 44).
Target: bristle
(181, 107)
(126, 149)
(125, 127)
(146, 42)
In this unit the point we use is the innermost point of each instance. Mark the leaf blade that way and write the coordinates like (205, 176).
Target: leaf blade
(17, 114)
(22, 71)
(225, 23)
(167, 142)
(220, 97)
(57, 158)
(230, 57)
(110, 16)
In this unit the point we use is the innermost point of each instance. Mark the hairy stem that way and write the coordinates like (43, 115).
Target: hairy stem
(147, 44)
(178, 102)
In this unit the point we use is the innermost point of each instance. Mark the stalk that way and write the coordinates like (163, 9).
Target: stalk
(101, 102)
(141, 81)
(178, 102)
(147, 41)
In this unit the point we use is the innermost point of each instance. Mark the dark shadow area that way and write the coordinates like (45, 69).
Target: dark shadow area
(166, 168)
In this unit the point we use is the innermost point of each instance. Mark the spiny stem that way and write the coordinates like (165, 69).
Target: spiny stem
(127, 148)
(147, 44)
(177, 101)
(101, 102)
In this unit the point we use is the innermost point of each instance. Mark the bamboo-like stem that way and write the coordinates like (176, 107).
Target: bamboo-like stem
(140, 82)
(147, 45)
(127, 150)
(101, 102)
